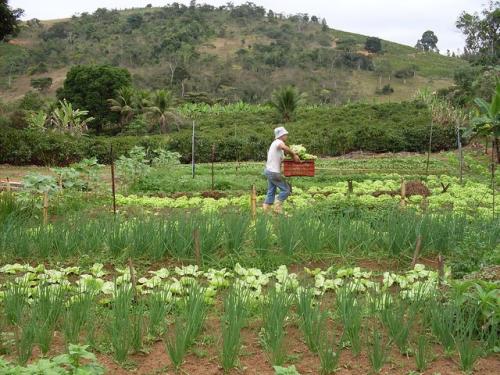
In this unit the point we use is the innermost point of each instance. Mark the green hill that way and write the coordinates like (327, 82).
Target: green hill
(231, 53)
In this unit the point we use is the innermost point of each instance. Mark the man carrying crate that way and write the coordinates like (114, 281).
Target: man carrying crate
(275, 180)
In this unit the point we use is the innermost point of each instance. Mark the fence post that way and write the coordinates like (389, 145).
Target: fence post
(403, 192)
(113, 186)
(45, 208)
(8, 185)
(213, 159)
(192, 152)
(350, 188)
(196, 242)
(253, 201)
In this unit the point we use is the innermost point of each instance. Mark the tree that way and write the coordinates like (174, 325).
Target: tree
(482, 35)
(373, 44)
(286, 101)
(162, 110)
(9, 20)
(90, 87)
(123, 104)
(428, 42)
(324, 25)
(41, 84)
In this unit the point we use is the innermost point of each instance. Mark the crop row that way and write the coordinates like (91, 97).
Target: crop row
(235, 234)
(332, 308)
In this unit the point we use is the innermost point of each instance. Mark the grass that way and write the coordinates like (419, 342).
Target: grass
(350, 312)
(311, 317)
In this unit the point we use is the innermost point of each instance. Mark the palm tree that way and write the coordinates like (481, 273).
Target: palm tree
(286, 101)
(488, 122)
(161, 108)
(123, 104)
(140, 100)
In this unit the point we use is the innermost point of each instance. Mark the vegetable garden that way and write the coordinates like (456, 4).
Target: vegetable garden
(374, 268)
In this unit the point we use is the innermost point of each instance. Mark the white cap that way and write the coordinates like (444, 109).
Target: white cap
(279, 132)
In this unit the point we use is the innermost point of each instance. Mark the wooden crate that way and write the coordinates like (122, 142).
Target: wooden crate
(304, 168)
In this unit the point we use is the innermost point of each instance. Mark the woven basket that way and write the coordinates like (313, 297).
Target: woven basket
(302, 168)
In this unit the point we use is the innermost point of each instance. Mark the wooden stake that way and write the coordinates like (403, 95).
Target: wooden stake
(213, 159)
(253, 202)
(45, 208)
(132, 277)
(417, 251)
(60, 182)
(113, 186)
(197, 250)
(440, 269)
(350, 188)
(8, 185)
(403, 192)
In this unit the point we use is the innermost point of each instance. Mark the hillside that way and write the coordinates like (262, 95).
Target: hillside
(230, 53)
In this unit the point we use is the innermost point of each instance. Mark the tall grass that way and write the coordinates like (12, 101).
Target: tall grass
(235, 225)
(158, 307)
(262, 235)
(288, 232)
(378, 352)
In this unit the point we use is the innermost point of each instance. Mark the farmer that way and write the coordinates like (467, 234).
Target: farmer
(275, 180)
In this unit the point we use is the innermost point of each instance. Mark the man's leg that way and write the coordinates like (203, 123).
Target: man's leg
(271, 193)
(283, 195)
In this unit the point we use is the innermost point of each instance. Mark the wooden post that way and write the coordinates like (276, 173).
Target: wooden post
(460, 155)
(418, 246)
(430, 148)
(403, 192)
(60, 182)
(350, 188)
(440, 269)
(45, 208)
(213, 159)
(192, 152)
(133, 281)
(253, 202)
(113, 186)
(8, 185)
(196, 242)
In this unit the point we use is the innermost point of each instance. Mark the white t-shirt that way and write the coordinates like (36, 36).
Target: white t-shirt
(275, 156)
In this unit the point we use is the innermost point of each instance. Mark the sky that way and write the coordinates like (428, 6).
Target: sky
(401, 21)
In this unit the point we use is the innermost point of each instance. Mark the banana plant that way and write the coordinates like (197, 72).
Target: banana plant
(487, 123)
(65, 119)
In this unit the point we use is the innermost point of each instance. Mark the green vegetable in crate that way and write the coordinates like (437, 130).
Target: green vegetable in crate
(302, 152)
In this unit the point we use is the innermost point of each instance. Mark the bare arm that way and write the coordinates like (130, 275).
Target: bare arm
(288, 151)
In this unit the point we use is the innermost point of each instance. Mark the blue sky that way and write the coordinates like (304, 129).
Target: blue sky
(401, 21)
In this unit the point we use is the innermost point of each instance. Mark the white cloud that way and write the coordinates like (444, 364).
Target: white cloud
(401, 21)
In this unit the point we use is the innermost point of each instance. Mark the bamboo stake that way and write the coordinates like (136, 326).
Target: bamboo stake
(418, 246)
(253, 201)
(197, 251)
(45, 208)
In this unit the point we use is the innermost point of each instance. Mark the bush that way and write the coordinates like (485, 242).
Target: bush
(246, 135)
(23, 147)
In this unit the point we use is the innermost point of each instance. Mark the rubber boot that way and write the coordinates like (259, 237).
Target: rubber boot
(278, 207)
(266, 207)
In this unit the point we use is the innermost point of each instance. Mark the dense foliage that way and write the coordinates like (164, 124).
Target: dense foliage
(89, 87)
